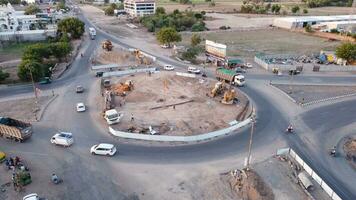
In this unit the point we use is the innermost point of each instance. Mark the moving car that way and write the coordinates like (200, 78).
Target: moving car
(80, 107)
(32, 196)
(79, 89)
(165, 46)
(193, 70)
(62, 138)
(103, 149)
(168, 67)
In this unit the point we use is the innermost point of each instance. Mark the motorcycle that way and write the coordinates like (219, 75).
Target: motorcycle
(332, 152)
(55, 179)
(289, 129)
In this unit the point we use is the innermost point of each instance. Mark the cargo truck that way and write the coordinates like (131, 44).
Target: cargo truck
(230, 76)
(15, 129)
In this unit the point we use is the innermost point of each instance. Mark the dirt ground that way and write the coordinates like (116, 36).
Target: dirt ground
(272, 41)
(197, 114)
(23, 109)
(117, 56)
(309, 93)
(350, 151)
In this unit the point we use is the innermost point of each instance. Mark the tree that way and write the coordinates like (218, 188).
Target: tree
(190, 54)
(3, 75)
(72, 26)
(199, 26)
(305, 11)
(195, 40)
(275, 8)
(160, 10)
(347, 51)
(167, 35)
(60, 49)
(61, 5)
(110, 11)
(121, 6)
(295, 9)
(113, 5)
(308, 28)
(32, 9)
(26, 67)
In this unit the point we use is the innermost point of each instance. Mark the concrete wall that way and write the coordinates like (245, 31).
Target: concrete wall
(35, 35)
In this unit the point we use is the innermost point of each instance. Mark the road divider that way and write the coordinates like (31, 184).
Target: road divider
(193, 138)
(127, 72)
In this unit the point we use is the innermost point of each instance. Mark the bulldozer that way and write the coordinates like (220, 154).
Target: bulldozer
(107, 45)
(229, 97)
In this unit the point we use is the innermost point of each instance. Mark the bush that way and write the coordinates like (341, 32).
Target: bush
(295, 9)
(276, 8)
(334, 30)
(32, 9)
(199, 26)
(110, 11)
(3, 75)
(347, 51)
(195, 40)
(160, 10)
(308, 28)
(185, 1)
(190, 54)
(305, 11)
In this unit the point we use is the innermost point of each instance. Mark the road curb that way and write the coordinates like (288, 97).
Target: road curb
(45, 107)
(327, 99)
(285, 94)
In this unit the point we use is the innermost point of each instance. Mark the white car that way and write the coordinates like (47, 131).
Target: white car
(165, 46)
(168, 67)
(62, 138)
(248, 65)
(80, 107)
(32, 196)
(193, 70)
(103, 149)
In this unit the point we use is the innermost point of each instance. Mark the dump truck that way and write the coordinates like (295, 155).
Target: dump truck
(229, 76)
(15, 129)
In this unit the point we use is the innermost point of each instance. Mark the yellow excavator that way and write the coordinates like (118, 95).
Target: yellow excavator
(107, 45)
(229, 97)
(217, 89)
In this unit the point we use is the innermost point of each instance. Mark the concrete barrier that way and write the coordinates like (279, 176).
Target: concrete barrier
(193, 138)
(126, 72)
(185, 74)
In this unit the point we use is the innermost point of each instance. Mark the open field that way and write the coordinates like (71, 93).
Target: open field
(12, 51)
(193, 112)
(272, 41)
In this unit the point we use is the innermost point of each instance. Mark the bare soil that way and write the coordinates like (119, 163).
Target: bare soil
(197, 114)
(23, 109)
(350, 151)
(117, 56)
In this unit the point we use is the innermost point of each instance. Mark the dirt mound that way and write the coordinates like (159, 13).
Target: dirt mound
(350, 151)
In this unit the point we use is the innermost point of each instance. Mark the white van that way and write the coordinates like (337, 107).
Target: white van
(193, 70)
(112, 116)
(62, 138)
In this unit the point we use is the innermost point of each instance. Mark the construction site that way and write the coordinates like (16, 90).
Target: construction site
(171, 103)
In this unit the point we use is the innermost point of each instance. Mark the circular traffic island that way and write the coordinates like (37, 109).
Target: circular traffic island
(174, 104)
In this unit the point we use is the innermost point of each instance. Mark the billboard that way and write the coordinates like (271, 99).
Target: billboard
(215, 49)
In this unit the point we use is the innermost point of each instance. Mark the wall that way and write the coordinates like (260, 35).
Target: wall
(36, 35)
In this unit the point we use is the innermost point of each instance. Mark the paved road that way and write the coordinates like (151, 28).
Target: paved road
(82, 170)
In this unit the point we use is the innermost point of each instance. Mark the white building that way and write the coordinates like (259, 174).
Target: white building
(303, 21)
(138, 8)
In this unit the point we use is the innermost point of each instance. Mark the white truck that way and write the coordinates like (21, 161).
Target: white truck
(112, 116)
(92, 33)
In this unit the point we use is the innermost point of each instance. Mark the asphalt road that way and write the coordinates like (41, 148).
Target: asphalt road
(75, 163)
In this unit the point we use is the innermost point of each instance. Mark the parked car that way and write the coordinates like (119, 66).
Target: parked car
(32, 196)
(193, 70)
(165, 46)
(79, 89)
(103, 149)
(248, 65)
(80, 107)
(62, 138)
(168, 67)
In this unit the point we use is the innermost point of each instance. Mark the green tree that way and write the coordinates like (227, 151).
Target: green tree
(190, 54)
(32, 9)
(160, 10)
(72, 26)
(195, 40)
(199, 26)
(60, 49)
(113, 5)
(110, 11)
(3, 75)
(36, 52)
(276, 8)
(26, 67)
(347, 51)
(295, 9)
(168, 35)
(305, 11)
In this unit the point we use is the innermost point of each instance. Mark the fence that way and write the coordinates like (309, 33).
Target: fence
(31, 35)
(166, 138)
(312, 173)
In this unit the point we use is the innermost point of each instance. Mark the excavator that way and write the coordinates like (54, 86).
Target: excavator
(229, 97)
(217, 89)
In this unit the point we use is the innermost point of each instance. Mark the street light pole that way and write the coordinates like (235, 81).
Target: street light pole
(250, 143)
(34, 90)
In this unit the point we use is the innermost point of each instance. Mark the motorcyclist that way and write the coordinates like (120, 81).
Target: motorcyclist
(81, 54)
(333, 151)
(55, 178)
(290, 128)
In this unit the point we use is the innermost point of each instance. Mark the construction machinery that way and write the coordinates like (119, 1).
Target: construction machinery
(107, 45)
(217, 90)
(229, 96)
(121, 88)
(140, 57)
(15, 129)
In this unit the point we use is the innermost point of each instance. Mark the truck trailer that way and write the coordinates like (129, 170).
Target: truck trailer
(15, 129)
(230, 76)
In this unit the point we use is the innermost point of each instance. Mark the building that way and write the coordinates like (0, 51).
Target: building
(303, 21)
(343, 26)
(137, 8)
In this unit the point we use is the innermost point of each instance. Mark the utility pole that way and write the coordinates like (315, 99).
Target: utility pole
(34, 90)
(250, 143)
